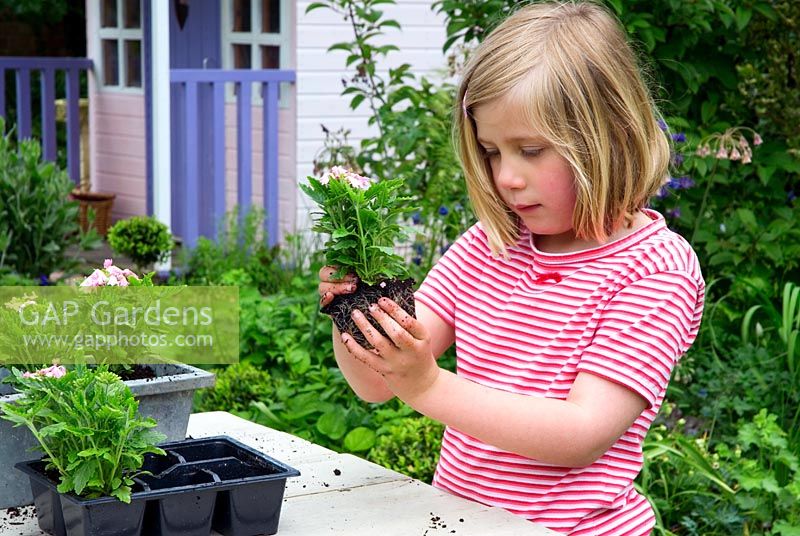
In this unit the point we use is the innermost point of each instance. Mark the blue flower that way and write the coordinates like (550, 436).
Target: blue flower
(44, 281)
(443, 211)
(662, 125)
(662, 192)
(417, 260)
(674, 212)
(415, 218)
(679, 137)
(444, 248)
(686, 182)
(677, 159)
(419, 249)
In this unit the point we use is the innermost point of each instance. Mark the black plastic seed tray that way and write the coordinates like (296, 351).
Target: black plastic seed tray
(201, 484)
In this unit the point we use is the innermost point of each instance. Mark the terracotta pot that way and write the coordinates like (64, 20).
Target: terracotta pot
(101, 203)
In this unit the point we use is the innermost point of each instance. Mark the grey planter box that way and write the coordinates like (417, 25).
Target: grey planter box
(167, 398)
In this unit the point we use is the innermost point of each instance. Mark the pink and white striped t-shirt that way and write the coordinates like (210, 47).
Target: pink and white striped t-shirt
(528, 324)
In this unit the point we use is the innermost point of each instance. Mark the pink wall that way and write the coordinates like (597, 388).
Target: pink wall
(117, 150)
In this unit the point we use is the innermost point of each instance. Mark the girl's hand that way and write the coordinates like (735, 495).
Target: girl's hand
(404, 359)
(329, 287)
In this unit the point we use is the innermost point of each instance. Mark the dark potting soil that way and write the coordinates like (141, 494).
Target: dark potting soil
(397, 290)
(138, 372)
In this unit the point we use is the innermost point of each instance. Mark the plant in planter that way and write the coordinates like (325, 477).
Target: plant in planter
(86, 422)
(361, 216)
(164, 391)
(103, 473)
(143, 239)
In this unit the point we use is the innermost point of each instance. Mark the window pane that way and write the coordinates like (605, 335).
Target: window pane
(110, 62)
(133, 63)
(132, 15)
(241, 57)
(108, 14)
(241, 16)
(271, 16)
(270, 57)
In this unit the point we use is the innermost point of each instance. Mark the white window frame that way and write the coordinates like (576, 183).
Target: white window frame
(256, 38)
(120, 34)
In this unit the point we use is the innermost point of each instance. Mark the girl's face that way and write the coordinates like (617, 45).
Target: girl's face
(534, 181)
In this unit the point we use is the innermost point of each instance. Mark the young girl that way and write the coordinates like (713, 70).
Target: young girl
(569, 302)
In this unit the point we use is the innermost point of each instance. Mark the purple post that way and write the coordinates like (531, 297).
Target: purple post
(218, 185)
(2, 94)
(271, 193)
(244, 154)
(48, 82)
(23, 104)
(73, 125)
(191, 208)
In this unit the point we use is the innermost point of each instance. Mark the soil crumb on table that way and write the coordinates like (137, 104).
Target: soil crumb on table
(14, 517)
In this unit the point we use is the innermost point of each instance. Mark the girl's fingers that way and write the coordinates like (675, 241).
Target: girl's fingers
(336, 288)
(372, 335)
(326, 274)
(402, 318)
(368, 358)
(399, 335)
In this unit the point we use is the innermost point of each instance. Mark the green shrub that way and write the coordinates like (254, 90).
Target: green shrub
(143, 239)
(38, 222)
(237, 386)
(410, 446)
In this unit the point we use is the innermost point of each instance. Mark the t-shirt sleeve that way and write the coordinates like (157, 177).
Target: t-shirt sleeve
(439, 290)
(644, 330)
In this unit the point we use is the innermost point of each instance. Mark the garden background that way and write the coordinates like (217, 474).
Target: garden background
(724, 455)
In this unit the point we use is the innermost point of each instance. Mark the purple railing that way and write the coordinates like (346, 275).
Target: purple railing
(48, 68)
(192, 80)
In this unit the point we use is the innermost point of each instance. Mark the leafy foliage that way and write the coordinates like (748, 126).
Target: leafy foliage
(38, 222)
(241, 256)
(87, 425)
(360, 217)
(406, 445)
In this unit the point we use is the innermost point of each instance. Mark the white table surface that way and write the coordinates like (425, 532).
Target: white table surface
(342, 494)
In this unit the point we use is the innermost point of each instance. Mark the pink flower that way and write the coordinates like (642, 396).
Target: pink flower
(357, 181)
(735, 154)
(110, 275)
(98, 278)
(55, 371)
(722, 153)
(342, 174)
(757, 140)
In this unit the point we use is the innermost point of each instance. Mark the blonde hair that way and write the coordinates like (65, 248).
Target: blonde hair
(569, 68)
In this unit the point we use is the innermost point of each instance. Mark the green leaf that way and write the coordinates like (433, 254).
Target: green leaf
(748, 218)
(84, 473)
(123, 493)
(299, 360)
(743, 16)
(333, 424)
(359, 439)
